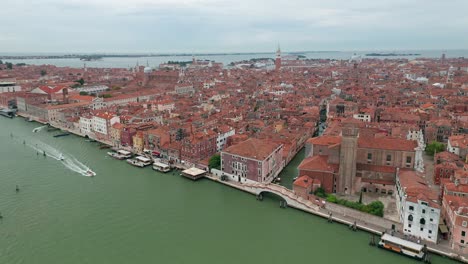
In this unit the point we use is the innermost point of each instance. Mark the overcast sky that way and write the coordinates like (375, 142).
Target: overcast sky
(195, 26)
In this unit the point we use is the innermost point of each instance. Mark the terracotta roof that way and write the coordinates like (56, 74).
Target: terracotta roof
(303, 181)
(416, 188)
(325, 140)
(387, 143)
(253, 148)
(317, 163)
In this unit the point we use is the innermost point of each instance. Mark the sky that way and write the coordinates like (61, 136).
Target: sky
(198, 26)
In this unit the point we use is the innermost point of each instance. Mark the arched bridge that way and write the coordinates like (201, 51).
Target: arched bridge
(289, 196)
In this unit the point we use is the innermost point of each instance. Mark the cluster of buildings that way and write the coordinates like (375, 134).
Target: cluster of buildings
(364, 124)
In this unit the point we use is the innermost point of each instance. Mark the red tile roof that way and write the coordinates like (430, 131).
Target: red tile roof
(303, 181)
(317, 163)
(387, 143)
(253, 148)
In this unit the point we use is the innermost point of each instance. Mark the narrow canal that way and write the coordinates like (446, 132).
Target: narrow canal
(132, 215)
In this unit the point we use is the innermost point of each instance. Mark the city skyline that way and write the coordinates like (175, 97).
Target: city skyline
(201, 26)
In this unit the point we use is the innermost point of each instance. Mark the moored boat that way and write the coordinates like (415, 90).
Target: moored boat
(120, 154)
(161, 167)
(144, 160)
(135, 163)
(62, 134)
(402, 246)
(7, 112)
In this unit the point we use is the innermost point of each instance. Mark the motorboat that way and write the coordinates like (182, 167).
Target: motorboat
(136, 163)
(61, 157)
(90, 173)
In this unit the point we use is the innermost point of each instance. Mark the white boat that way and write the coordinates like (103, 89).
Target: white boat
(136, 163)
(161, 167)
(90, 173)
(120, 154)
(402, 246)
(146, 161)
(61, 157)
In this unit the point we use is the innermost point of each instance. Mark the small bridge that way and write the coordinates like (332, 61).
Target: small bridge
(286, 194)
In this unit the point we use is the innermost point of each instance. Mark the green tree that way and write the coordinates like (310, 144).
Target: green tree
(434, 147)
(43, 72)
(1, 62)
(180, 134)
(215, 162)
(84, 93)
(320, 192)
(80, 81)
(9, 65)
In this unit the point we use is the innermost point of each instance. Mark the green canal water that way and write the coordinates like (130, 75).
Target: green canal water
(131, 215)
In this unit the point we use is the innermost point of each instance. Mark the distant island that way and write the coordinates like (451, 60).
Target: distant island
(393, 54)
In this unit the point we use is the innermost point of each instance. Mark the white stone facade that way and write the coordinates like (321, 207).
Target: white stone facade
(222, 138)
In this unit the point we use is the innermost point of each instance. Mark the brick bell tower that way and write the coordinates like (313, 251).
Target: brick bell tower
(348, 153)
(278, 59)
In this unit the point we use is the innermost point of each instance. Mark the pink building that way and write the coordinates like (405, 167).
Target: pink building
(254, 160)
(455, 216)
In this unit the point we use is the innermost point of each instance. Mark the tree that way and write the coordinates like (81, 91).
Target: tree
(1, 62)
(43, 72)
(215, 162)
(80, 81)
(320, 192)
(9, 65)
(434, 147)
(180, 134)
(84, 93)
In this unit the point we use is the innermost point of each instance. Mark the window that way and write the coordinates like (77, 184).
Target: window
(409, 225)
(463, 233)
(411, 208)
(369, 156)
(464, 223)
(410, 218)
(430, 231)
(389, 157)
(422, 221)
(408, 159)
(423, 211)
(431, 219)
(462, 241)
(422, 229)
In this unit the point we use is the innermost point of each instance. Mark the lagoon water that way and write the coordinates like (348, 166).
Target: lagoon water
(131, 215)
(154, 61)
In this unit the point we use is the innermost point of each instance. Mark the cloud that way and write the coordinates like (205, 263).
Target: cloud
(230, 25)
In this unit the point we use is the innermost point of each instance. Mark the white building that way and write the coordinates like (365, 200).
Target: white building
(86, 125)
(418, 206)
(184, 89)
(102, 122)
(8, 85)
(92, 89)
(363, 117)
(223, 134)
(166, 106)
(209, 84)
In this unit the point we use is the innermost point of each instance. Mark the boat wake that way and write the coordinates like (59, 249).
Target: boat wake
(37, 129)
(67, 160)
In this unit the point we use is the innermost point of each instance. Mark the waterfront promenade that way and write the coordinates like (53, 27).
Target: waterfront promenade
(332, 213)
